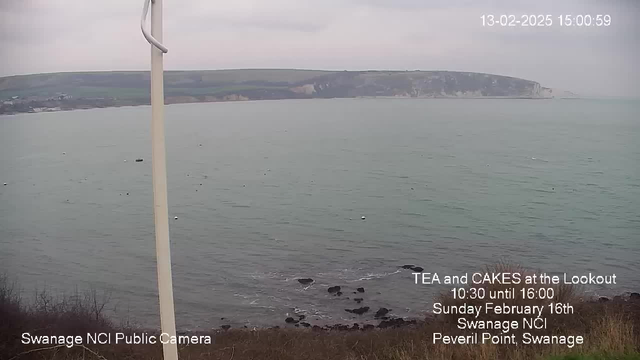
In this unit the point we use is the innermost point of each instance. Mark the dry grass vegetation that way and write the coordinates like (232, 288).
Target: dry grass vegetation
(611, 331)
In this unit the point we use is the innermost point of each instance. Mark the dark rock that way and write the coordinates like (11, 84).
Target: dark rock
(358, 300)
(139, 160)
(306, 281)
(221, 318)
(393, 323)
(360, 289)
(291, 320)
(302, 317)
(339, 293)
(316, 328)
(407, 266)
(603, 299)
(417, 269)
(368, 327)
(297, 325)
(382, 312)
(305, 324)
(358, 311)
(276, 327)
(355, 327)
(333, 289)
(225, 327)
(634, 296)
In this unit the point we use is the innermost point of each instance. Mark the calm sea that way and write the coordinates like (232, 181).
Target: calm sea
(267, 192)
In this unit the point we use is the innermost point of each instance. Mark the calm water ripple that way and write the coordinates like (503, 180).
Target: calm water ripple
(278, 188)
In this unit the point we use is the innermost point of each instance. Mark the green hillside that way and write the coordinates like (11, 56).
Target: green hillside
(67, 91)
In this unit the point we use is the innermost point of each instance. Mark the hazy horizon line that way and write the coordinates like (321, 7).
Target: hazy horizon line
(270, 68)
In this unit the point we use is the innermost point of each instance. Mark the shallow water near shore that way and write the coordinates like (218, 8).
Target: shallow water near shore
(271, 191)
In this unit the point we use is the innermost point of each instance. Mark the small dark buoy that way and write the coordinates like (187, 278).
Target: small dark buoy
(64, 153)
(139, 160)
(175, 218)
(363, 217)
(127, 193)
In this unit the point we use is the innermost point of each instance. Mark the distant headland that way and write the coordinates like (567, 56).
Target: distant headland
(84, 90)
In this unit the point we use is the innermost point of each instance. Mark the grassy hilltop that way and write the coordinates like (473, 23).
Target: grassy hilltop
(66, 91)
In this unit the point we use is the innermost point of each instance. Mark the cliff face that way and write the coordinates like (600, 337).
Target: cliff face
(81, 90)
(422, 84)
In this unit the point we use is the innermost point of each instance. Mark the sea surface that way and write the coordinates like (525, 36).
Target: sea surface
(267, 192)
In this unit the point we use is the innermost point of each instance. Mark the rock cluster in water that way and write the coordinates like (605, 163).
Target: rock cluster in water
(382, 314)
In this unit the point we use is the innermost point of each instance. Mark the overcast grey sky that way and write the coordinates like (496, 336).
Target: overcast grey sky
(80, 35)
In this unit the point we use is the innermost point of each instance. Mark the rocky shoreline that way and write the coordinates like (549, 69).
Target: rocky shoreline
(382, 318)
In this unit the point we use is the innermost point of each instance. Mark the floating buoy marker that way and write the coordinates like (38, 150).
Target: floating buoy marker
(175, 218)
(363, 217)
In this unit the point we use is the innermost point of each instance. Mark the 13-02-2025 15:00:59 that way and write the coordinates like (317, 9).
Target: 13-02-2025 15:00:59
(598, 20)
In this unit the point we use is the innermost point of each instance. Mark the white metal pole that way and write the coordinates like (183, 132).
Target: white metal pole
(159, 172)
